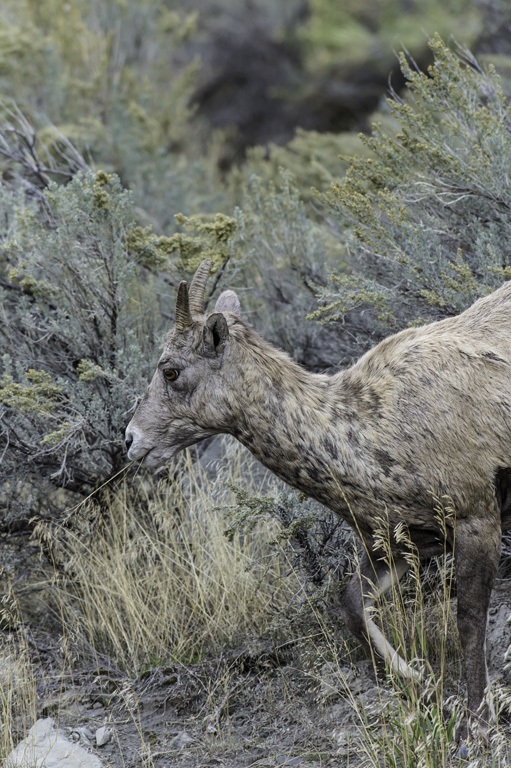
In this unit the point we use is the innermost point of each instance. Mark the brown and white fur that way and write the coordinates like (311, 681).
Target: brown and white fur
(422, 419)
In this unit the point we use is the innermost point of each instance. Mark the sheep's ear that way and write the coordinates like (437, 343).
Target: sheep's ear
(216, 333)
(228, 302)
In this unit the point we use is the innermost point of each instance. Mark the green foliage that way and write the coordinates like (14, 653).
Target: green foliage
(104, 79)
(428, 212)
(416, 733)
(40, 396)
(314, 160)
(77, 330)
(283, 254)
(211, 238)
(356, 32)
(99, 71)
(317, 537)
(271, 246)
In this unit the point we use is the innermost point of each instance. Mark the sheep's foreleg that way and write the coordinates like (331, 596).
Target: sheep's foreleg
(477, 552)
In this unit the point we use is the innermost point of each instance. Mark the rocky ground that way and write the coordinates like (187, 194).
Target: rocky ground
(262, 704)
(228, 712)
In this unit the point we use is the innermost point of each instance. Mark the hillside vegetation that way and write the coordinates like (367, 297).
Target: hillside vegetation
(345, 191)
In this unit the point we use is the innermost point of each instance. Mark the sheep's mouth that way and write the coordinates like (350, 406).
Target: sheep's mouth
(154, 460)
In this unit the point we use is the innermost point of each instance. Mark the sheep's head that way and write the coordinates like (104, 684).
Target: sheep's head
(183, 402)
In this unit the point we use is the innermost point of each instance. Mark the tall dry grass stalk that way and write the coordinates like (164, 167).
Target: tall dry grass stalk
(412, 723)
(416, 724)
(18, 685)
(158, 580)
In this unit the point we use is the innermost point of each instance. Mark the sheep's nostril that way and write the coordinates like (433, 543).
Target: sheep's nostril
(128, 442)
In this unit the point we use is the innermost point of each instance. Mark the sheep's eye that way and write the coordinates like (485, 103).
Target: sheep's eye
(171, 374)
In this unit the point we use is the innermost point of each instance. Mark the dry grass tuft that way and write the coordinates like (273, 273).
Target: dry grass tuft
(413, 723)
(158, 580)
(18, 692)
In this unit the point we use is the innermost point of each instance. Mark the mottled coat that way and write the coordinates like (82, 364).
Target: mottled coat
(420, 424)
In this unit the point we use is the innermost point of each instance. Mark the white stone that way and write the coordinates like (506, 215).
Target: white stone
(103, 735)
(45, 747)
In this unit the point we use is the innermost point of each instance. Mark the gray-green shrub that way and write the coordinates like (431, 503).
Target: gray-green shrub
(79, 328)
(427, 215)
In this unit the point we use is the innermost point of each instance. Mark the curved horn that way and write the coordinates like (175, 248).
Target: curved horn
(198, 287)
(183, 314)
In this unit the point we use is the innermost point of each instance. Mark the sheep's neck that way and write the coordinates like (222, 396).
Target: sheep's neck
(289, 424)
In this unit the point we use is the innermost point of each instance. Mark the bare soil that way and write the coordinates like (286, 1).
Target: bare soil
(248, 707)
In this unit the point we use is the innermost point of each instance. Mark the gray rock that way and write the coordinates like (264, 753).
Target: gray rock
(46, 747)
(103, 735)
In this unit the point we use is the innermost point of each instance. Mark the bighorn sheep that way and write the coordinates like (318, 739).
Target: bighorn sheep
(423, 417)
